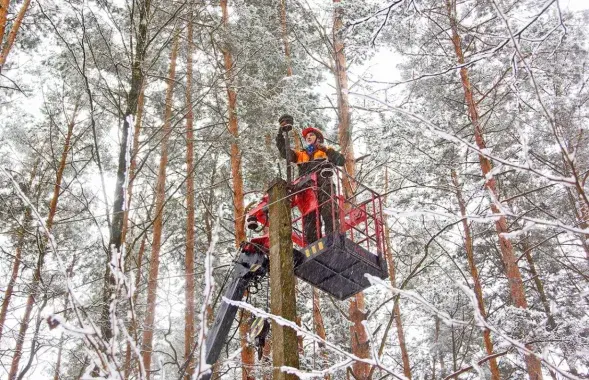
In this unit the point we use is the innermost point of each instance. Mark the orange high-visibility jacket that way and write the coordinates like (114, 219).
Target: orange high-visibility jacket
(302, 156)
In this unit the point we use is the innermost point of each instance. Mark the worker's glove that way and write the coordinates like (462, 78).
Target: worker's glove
(321, 147)
(286, 122)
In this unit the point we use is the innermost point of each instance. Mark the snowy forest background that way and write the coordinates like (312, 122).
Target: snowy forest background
(475, 116)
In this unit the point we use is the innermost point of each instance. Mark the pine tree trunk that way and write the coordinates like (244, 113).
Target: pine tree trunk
(160, 189)
(581, 211)
(514, 277)
(360, 342)
(9, 41)
(26, 223)
(237, 178)
(344, 128)
(320, 329)
(34, 289)
(396, 306)
(284, 30)
(468, 244)
(116, 228)
(3, 17)
(294, 136)
(539, 285)
(584, 223)
(541, 293)
(397, 312)
(299, 322)
(247, 353)
(24, 324)
(190, 210)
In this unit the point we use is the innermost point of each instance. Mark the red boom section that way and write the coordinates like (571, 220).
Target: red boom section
(319, 196)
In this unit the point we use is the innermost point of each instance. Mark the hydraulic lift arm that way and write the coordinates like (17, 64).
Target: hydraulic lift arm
(252, 263)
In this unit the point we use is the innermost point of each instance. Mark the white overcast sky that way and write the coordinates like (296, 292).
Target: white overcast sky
(575, 5)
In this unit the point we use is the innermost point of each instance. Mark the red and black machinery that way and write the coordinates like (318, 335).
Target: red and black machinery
(336, 262)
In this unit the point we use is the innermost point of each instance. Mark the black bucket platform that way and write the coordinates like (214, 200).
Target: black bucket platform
(337, 265)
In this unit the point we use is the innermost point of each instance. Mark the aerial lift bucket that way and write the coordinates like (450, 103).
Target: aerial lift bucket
(339, 260)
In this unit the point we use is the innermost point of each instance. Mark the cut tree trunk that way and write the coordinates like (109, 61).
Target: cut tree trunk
(158, 220)
(282, 282)
(478, 290)
(514, 278)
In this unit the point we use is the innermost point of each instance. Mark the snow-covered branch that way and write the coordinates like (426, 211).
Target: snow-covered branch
(302, 332)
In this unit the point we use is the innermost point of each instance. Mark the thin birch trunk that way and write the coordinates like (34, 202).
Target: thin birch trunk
(132, 170)
(56, 374)
(160, 189)
(34, 289)
(438, 352)
(516, 286)
(133, 326)
(190, 211)
(133, 164)
(478, 290)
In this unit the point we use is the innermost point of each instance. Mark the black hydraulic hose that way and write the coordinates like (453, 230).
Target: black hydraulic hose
(285, 129)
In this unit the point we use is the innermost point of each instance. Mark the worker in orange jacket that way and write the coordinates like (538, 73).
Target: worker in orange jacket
(313, 158)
